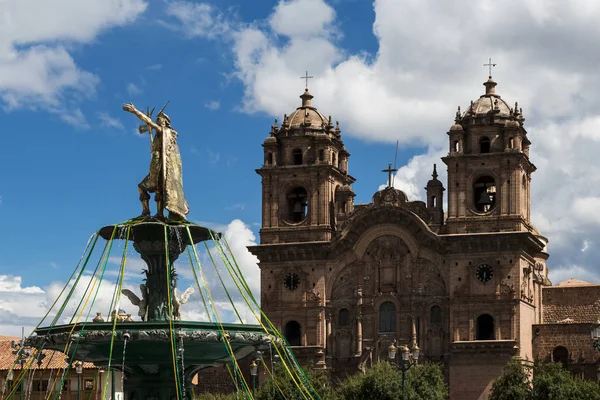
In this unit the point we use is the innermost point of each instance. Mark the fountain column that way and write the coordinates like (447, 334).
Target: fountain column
(159, 280)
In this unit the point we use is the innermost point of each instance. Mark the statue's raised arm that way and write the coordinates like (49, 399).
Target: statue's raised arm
(129, 107)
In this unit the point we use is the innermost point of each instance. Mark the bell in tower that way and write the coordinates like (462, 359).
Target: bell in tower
(489, 170)
(305, 170)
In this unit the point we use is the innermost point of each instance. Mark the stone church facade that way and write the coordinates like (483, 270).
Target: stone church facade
(343, 280)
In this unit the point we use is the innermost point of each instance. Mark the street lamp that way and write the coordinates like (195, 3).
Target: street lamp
(79, 370)
(406, 362)
(596, 335)
(596, 342)
(253, 372)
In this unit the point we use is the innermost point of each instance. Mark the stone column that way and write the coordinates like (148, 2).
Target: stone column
(359, 334)
(413, 335)
(328, 342)
(471, 329)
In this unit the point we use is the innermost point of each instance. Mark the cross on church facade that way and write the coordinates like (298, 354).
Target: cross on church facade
(489, 64)
(306, 77)
(389, 170)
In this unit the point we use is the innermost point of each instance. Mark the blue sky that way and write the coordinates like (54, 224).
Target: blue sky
(387, 70)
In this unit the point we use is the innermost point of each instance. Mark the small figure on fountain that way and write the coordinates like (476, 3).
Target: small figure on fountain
(165, 176)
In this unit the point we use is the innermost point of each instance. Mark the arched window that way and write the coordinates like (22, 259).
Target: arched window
(269, 158)
(344, 317)
(560, 354)
(333, 158)
(435, 315)
(297, 156)
(292, 332)
(433, 201)
(485, 327)
(297, 204)
(484, 145)
(511, 143)
(456, 146)
(484, 193)
(321, 155)
(387, 317)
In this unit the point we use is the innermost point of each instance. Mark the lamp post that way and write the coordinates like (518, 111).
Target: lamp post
(253, 372)
(79, 370)
(406, 362)
(596, 342)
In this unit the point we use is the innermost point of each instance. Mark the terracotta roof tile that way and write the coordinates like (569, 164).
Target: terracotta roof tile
(571, 304)
(53, 359)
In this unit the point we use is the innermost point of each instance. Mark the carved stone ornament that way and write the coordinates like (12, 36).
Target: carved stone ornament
(150, 369)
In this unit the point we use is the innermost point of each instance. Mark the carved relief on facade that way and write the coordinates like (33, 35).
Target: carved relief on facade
(428, 279)
(388, 258)
(343, 340)
(526, 285)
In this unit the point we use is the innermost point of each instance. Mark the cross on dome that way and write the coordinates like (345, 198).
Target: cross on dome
(389, 170)
(490, 65)
(306, 77)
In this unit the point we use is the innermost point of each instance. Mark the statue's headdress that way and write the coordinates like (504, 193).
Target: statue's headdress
(162, 114)
(165, 116)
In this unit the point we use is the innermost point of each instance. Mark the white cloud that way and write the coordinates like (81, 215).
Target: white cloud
(36, 67)
(213, 105)
(198, 19)
(155, 67)
(133, 89)
(12, 284)
(110, 122)
(213, 157)
(316, 17)
(73, 117)
(563, 273)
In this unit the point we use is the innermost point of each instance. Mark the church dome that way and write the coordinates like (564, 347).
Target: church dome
(456, 127)
(434, 182)
(306, 115)
(345, 189)
(512, 124)
(489, 102)
(575, 283)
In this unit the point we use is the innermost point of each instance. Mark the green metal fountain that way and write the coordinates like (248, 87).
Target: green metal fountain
(157, 356)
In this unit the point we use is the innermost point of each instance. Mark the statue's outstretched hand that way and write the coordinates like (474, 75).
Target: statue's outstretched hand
(129, 107)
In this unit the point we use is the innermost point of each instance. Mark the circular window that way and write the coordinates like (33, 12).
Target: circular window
(484, 194)
(291, 281)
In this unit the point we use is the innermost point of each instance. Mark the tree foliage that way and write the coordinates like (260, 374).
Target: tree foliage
(384, 382)
(513, 384)
(550, 382)
(287, 386)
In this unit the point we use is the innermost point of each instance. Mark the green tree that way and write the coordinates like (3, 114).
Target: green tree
(384, 382)
(287, 387)
(550, 382)
(513, 384)
(426, 382)
(216, 396)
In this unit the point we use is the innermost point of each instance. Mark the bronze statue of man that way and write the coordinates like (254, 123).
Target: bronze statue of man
(165, 176)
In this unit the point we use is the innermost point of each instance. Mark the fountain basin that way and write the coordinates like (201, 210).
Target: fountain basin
(150, 344)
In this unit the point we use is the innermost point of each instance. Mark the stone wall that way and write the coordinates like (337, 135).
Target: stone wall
(583, 358)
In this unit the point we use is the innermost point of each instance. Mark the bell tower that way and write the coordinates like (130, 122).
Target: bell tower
(489, 171)
(305, 181)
